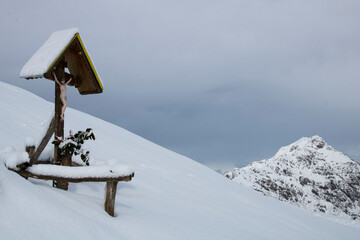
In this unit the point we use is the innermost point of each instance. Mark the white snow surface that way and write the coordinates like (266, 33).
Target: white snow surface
(30, 141)
(170, 197)
(42, 59)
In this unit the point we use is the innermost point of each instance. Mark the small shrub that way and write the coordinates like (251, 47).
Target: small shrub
(72, 144)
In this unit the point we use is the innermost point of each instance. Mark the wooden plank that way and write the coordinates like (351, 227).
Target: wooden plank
(77, 64)
(27, 174)
(110, 197)
(34, 157)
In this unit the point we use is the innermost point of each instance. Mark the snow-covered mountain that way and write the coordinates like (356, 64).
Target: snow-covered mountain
(307, 173)
(170, 197)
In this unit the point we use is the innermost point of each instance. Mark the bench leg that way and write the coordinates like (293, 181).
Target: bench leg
(62, 185)
(30, 150)
(110, 197)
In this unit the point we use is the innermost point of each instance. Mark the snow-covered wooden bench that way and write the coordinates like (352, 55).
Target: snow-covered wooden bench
(109, 174)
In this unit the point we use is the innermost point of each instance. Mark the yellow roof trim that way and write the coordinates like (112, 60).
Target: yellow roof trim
(87, 57)
(61, 53)
(91, 64)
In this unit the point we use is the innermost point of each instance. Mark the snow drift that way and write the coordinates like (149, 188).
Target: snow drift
(171, 197)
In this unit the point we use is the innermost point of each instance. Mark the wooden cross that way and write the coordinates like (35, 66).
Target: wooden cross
(63, 50)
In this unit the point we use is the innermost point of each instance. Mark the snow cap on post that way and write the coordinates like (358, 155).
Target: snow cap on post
(64, 46)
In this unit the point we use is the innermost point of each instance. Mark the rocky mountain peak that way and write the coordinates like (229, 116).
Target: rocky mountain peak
(308, 173)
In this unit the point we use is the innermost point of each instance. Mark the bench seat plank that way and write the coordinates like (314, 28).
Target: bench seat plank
(109, 174)
(78, 174)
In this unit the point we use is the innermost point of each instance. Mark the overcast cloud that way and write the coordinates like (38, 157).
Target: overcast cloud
(223, 82)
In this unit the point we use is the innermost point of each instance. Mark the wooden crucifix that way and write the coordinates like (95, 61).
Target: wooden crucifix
(61, 78)
(64, 50)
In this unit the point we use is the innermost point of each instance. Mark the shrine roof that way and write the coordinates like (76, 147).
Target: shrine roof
(65, 45)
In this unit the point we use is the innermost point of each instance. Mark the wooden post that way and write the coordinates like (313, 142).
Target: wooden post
(59, 123)
(110, 197)
(34, 156)
(66, 160)
(30, 150)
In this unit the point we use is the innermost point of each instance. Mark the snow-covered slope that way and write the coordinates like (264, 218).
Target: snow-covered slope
(308, 173)
(170, 197)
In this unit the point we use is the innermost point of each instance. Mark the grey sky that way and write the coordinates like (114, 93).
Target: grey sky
(223, 82)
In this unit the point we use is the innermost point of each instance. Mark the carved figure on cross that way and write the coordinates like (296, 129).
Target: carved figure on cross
(62, 84)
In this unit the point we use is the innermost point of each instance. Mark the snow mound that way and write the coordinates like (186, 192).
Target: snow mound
(12, 158)
(308, 173)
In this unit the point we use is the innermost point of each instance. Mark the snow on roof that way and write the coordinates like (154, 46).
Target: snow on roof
(47, 54)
